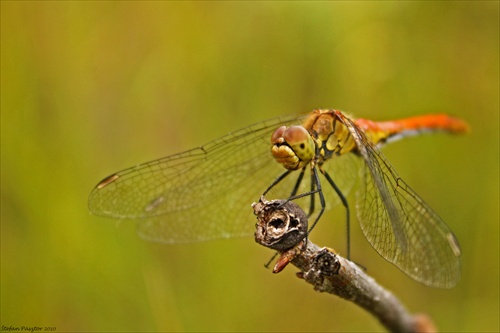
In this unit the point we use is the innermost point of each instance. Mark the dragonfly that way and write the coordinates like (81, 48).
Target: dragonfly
(201, 194)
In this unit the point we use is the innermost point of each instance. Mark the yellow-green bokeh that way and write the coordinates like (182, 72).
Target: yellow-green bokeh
(88, 88)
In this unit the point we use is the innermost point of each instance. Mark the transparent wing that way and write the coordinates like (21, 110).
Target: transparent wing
(400, 226)
(203, 193)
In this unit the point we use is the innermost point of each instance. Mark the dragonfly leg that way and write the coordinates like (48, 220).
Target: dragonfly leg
(277, 180)
(316, 183)
(266, 265)
(311, 204)
(294, 195)
(297, 183)
(313, 188)
(346, 205)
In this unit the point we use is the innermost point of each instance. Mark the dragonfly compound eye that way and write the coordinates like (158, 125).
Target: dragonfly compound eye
(293, 147)
(300, 141)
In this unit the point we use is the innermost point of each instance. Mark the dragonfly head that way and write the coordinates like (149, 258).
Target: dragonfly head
(293, 147)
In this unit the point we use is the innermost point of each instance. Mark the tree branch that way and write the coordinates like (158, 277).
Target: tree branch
(282, 223)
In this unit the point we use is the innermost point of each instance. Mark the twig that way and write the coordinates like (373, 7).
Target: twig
(282, 222)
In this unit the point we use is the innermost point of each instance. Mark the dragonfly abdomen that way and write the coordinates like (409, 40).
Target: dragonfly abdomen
(388, 131)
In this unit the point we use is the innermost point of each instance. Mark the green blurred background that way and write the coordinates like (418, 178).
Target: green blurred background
(89, 88)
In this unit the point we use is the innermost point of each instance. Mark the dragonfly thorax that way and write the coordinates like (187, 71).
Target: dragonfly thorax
(293, 147)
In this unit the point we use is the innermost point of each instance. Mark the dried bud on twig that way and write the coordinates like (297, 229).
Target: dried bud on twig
(281, 224)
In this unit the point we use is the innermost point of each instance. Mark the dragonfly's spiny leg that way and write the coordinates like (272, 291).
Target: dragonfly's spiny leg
(346, 205)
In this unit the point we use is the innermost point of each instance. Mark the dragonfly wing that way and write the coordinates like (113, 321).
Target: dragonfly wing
(400, 226)
(203, 193)
(224, 213)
